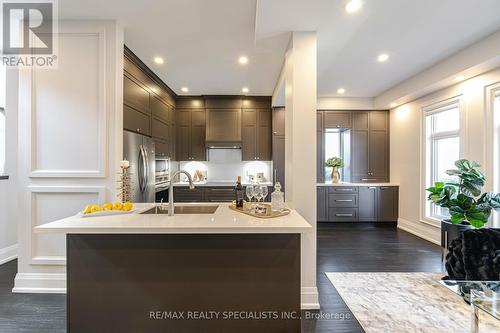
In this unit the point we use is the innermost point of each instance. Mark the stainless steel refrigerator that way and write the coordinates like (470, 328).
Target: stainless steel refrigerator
(139, 150)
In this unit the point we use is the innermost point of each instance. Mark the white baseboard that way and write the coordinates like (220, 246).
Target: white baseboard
(55, 283)
(8, 253)
(309, 298)
(421, 230)
(44, 283)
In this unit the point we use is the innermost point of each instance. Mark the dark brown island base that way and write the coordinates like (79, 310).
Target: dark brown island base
(221, 272)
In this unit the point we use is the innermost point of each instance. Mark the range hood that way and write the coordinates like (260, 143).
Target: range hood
(223, 128)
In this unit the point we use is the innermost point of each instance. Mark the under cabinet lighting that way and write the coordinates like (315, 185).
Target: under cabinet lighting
(340, 91)
(393, 105)
(383, 57)
(185, 89)
(353, 6)
(159, 60)
(245, 90)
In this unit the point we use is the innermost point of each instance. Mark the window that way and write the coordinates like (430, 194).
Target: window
(2, 120)
(337, 143)
(442, 149)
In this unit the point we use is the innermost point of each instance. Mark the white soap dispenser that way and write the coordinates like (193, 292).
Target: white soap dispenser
(277, 198)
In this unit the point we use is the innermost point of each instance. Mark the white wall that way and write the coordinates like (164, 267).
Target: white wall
(406, 145)
(298, 77)
(70, 143)
(345, 103)
(8, 188)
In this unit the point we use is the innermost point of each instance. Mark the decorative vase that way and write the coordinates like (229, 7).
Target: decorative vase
(450, 231)
(335, 175)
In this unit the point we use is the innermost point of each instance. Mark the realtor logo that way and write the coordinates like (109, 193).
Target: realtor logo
(28, 30)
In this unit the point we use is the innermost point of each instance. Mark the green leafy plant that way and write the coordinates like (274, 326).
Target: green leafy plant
(333, 162)
(463, 198)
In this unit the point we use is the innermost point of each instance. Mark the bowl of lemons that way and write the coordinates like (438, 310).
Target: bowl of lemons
(108, 208)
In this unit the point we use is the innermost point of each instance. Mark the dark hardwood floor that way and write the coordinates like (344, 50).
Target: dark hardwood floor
(341, 248)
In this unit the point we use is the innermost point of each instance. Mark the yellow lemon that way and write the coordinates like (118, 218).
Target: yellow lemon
(87, 209)
(95, 208)
(127, 206)
(107, 206)
(117, 206)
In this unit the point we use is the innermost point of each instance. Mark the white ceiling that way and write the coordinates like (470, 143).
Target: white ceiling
(201, 40)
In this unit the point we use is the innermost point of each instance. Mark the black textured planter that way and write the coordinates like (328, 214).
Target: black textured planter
(450, 231)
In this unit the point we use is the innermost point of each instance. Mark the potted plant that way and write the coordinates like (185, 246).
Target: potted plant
(467, 205)
(335, 163)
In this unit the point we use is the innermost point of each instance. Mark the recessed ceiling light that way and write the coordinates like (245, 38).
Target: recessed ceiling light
(353, 6)
(185, 89)
(243, 60)
(459, 78)
(245, 90)
(340, 91)
(159, 60)
(393, 105)
(383, 57)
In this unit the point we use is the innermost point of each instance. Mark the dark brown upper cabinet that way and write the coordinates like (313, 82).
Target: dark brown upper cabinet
(223, 127)
(135, 95)
(370, 146)
(160, 110)
(190, 135)
(149, 105)
(335, 119)
(256, 125)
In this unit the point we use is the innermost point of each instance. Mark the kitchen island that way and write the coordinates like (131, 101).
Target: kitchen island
(214, 272)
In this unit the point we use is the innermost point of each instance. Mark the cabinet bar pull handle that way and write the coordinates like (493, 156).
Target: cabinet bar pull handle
(343, 200)
(343, 215)
(344, 189)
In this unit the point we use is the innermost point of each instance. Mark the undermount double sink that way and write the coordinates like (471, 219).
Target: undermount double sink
(202, 209)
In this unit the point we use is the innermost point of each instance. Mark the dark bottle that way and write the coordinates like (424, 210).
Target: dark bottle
(239, 193)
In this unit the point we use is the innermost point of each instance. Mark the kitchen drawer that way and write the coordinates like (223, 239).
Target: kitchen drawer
(343, 189)
(184, 194)
(342, 214)
(219, 194)
(136, 121)
(369, 179)
(342, 200)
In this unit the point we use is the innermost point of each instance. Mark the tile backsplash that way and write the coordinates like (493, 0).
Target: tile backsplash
(225, 165)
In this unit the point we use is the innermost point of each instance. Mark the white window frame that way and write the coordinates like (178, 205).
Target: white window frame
(427, 173)
(492, 157)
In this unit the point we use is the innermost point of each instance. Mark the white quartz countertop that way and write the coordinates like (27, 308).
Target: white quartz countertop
(356, 184)
(224, 220)
(216, 183)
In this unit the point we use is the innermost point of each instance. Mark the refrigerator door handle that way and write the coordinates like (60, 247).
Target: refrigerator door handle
(141, 168)
(146, 169)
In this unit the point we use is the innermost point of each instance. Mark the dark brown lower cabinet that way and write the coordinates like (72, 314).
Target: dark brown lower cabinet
(322, 203)
(388, 203)
(208, 194)
(357, 204)
(368, 203)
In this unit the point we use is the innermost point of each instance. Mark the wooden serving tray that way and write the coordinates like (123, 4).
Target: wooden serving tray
(269, 215)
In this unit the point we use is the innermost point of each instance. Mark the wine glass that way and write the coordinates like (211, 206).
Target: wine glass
(249, 192)
(265, 192)
(257, 192)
